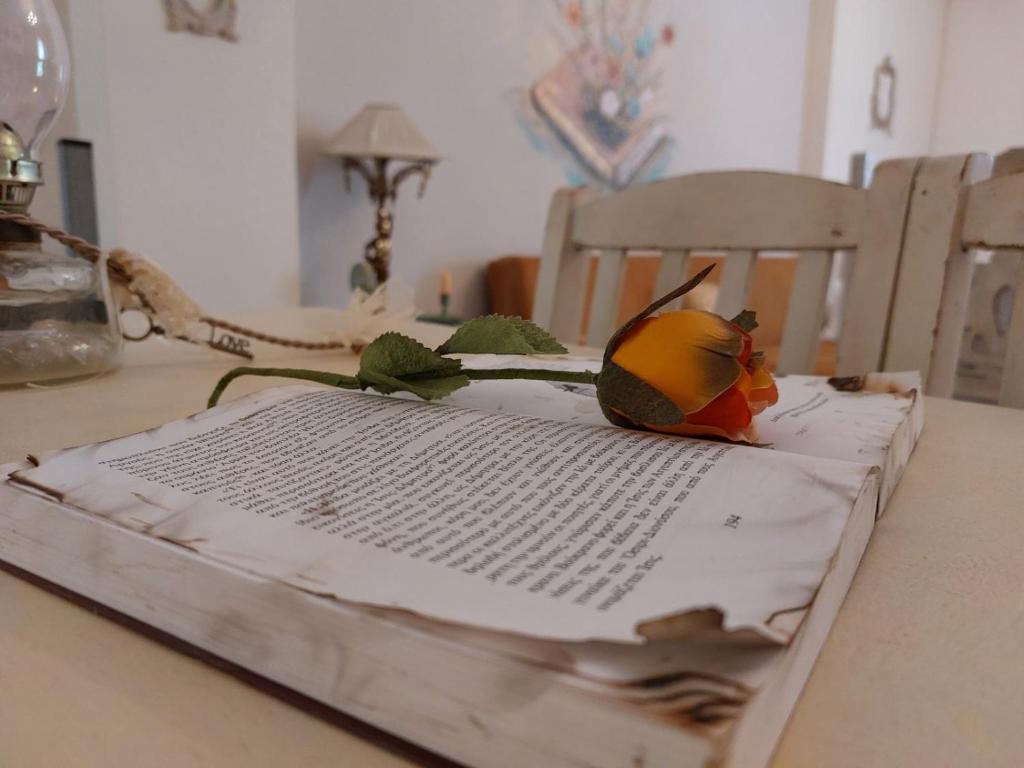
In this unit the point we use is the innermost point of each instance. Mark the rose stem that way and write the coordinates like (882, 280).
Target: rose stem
(571, 377)
(333, 379)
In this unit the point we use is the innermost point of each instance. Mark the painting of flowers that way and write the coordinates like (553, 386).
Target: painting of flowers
(595, 109)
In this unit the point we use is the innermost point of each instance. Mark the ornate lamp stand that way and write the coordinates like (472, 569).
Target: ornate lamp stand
(383, 192)
(381, 134)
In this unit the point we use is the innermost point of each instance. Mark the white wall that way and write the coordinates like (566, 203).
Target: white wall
(981, 102)
(910, 32)
(195, 145)
(734, 82)
(733, 86)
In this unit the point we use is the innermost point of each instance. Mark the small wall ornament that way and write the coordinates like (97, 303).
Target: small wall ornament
(883, 96)
(217, 20)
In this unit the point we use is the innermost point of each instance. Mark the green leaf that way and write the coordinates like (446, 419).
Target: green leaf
(622, 394)
(396, 363)
(746, 320)
(493, 334)
(501, 335)
(543, 343)
(683, 289)
(393, 354)
(427, 389)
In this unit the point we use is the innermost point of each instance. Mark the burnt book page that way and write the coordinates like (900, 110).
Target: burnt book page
(542, 528)
(879, 425)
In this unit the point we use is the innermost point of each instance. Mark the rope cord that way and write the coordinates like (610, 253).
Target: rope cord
(92, 253)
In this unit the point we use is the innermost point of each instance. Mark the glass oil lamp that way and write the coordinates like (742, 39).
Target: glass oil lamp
(57, 319)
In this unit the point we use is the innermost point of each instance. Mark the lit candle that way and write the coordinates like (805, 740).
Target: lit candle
(446, 283)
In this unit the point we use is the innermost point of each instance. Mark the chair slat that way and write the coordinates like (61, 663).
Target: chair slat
(734, 287)
(862, 168)
(806, 314)
(561, 280)
(995, 213)
(1008, 162)
(932, 291)
(726, 210)
(671, 274)
(873, 272)
(604, 307)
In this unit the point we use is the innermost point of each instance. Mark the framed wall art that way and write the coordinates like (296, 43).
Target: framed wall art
(216, 19)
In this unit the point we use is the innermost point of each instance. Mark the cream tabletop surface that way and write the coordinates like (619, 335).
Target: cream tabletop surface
(924, 666)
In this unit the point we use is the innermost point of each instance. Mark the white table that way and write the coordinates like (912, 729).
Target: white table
(924, 667)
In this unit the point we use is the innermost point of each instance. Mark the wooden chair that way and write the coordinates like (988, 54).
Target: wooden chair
(990, 216)
(984, 346)
(740, 213)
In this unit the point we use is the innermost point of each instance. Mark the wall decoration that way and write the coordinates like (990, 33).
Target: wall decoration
(883, 96)
(217, 20)
(594, 110)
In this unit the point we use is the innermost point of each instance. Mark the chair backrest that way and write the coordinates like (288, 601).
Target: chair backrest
(990, 216)
(932, 290)
(740, 213)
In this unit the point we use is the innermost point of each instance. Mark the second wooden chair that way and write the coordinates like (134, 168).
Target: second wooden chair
(957, 209)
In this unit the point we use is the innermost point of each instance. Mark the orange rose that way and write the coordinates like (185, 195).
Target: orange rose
(687, 372)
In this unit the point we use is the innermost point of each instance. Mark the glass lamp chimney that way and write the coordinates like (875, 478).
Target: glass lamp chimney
(34, 70)
(34, 76)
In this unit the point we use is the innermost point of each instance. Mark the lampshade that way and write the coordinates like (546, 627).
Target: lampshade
(382, 130)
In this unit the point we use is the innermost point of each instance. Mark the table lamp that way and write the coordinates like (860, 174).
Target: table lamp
(381, 134)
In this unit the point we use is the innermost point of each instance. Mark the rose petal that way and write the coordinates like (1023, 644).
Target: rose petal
(729, 411)
(748, 434)
(689, 355)
(763, 391)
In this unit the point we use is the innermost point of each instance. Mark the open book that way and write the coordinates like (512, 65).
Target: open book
(505, 588)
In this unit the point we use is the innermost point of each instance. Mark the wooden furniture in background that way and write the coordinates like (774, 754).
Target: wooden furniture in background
(989, 311)
(989, 215)
(740, 214)
(930, 300)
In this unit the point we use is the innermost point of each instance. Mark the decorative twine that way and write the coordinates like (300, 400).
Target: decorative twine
(92, 253)
(270, 338)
